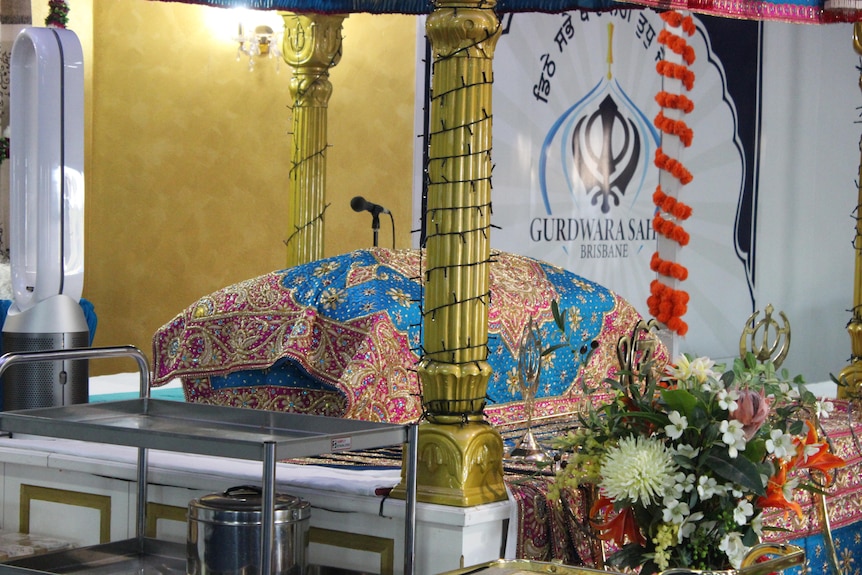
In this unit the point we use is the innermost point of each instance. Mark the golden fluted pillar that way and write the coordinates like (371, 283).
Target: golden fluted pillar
(460, 456)
(851, 376)
(311, 46)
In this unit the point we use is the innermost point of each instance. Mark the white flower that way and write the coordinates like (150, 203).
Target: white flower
(757, 524)
(707, 487)
(674, 511)
(823, 408)
(727, 399)
(678, 424)
(699, 369)
(680, 484)
(733, 436)
(742, 512)
(789, 487)
(637, 470)
(733, 547)
(810, 450)
(686, 450)
(780, 444)
(688, 526)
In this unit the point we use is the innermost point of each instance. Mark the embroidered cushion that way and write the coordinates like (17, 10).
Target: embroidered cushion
(342, 336)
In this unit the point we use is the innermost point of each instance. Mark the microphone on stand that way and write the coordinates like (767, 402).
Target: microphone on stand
(360, 204)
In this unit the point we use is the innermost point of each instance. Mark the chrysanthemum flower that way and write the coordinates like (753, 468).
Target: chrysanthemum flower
(636, 470)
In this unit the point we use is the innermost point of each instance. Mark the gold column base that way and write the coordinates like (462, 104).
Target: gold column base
(850, 377)
(850, 380)
(458, 465)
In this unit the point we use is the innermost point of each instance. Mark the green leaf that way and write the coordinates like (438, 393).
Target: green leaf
(559, 318)
(755, 450)
(631, 556)
(750, 538)
(797, 427)
(653, 417)
(680, 400)
(739, 470)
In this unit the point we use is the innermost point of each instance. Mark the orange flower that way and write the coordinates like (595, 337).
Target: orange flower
(670, 204)
(675, 128)
(667, 305)
(677, 72)
(677, 20)
(815, 455)
(678, 45)
(618, 528)
(673, 166)
(775, 492)
(675, 101)
(668, 268)
(670, 230)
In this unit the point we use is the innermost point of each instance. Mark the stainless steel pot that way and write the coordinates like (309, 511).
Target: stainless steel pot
(224, 533)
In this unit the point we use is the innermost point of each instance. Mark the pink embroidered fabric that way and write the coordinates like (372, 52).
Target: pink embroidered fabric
(342, 336)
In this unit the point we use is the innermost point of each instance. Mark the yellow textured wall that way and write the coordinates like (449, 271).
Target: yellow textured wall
(189, 157)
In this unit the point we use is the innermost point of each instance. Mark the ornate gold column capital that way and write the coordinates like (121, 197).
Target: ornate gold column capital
(463, 29)
(311, 46)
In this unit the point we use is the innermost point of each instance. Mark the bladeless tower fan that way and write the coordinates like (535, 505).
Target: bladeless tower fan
(46, 224)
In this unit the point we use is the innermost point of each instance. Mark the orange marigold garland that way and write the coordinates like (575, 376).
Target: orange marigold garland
(676, 20)
(677, 72)
(670, 230)
(675, 101)
(665, 303)
(674, 127)
(670, 205)
(672, 165)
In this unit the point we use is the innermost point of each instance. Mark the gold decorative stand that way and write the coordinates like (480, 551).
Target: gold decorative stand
(311, 46)
(529, 371)
(460, 454)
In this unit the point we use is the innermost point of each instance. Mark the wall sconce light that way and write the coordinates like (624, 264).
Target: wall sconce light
(259, 41)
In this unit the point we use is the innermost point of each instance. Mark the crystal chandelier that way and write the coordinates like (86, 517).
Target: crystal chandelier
(258, 41)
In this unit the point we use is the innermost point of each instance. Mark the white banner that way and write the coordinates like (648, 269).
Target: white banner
(775, 158)
(574, 146)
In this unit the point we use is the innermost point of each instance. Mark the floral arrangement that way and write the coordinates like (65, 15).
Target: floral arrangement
(686, 461)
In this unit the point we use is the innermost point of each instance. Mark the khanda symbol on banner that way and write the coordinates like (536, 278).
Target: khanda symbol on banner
(605, 154)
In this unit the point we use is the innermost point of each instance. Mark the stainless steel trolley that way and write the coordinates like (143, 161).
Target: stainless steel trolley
(228, 432)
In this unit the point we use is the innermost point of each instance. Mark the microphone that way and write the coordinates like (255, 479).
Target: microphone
(359, 204)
